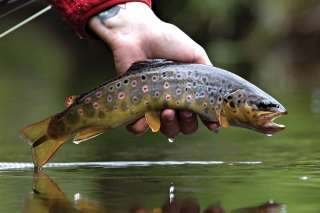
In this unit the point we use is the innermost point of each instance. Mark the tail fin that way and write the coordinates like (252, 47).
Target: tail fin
(43, 146)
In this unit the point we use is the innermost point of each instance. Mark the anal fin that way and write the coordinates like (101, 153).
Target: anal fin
(153, 119)
(88, 133)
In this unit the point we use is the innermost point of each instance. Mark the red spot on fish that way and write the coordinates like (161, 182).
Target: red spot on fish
(189, 85)
(178, 102)
(135, 99)
(99, 94)
(166, 85)
(72, 110)
(64, 119)
(146, 103)
(106, 111)
(157, 94)
(109, 98)
(178, 91)
(96, 105)
(115, 108)
(134, 83)
(145, 88)
(168, 97)
(128, 108)
(111, 88)
(121, 95)
(80, 111)
(87, 100)
(205, 105)
(70, 100)
(154, 78)
(188, 97)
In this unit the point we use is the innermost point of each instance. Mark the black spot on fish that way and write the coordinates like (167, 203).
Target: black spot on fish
(101, 115)
(239, 95)
(229, 97)
(232, 104)
(189, 73)
(204, 79)
(126, 81)
(118, 85)
(72, 118)
(223, 81)
(229, 86)
(194, 83)
(143, 78)
(88, 110)
(58, 116)
(164, 74)
(238, 102)
(196, 74)
(250, 102)
(220, 90)
(225, 100)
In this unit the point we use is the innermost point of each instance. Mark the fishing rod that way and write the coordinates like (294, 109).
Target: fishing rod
(2, 2)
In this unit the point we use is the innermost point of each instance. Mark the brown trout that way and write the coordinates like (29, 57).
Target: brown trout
(147, 88)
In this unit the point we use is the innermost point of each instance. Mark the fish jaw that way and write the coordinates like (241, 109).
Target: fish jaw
(266, 125)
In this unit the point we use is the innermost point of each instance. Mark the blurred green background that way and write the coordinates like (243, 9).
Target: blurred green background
(273, 44)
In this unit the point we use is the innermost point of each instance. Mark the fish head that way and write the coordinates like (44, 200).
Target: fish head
(253, 110)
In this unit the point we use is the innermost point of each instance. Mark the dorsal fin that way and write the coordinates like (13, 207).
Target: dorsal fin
(149, 63)
(70, 100)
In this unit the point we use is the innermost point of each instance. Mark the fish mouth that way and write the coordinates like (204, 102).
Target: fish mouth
(266, 124)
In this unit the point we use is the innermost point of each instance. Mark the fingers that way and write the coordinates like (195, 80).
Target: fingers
(139, 127)
(172, 124)
(212, 126)
(169, 123)
(188, 122)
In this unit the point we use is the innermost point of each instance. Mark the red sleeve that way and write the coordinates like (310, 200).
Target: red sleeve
(77, 12)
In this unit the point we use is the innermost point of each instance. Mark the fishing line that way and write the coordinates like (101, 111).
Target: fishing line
(17, 8)
(25, 21)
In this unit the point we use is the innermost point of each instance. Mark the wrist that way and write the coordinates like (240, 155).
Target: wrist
(122, 20)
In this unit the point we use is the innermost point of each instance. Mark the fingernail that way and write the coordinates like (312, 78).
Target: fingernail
(170, 117)
(186, 114)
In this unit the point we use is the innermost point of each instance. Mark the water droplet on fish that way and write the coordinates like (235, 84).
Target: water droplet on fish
(170, 140)
(269, 135)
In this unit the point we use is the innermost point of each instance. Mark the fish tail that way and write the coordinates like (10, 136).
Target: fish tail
(43, 145)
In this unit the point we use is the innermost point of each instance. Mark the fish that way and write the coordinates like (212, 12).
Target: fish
(148, 87)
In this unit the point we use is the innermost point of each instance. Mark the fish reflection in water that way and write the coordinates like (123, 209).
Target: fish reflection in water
(46, 197)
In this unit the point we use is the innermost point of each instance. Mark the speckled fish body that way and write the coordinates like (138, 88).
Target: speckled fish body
(147, 88)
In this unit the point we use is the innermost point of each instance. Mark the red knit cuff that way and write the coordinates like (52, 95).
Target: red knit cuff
(77, 12)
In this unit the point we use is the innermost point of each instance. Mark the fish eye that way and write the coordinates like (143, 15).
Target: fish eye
(262, 105)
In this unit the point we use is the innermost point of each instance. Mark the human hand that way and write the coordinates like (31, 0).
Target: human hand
(134, 33)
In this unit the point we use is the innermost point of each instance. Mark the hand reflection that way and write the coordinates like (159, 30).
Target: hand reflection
(46, 197)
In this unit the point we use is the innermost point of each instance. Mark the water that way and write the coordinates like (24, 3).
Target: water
(120, 186)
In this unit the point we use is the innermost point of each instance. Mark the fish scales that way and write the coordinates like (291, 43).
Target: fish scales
(147, 88)
(128, 98)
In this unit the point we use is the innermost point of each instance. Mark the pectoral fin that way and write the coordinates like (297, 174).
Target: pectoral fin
(86, 134)
(153, 119)
(223, 121)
